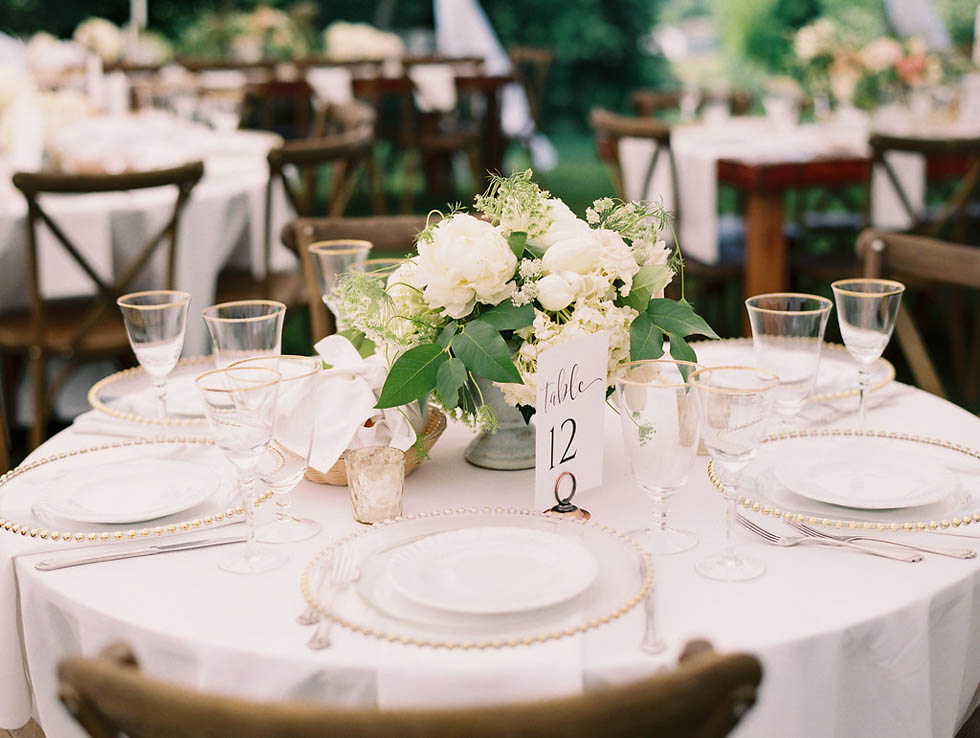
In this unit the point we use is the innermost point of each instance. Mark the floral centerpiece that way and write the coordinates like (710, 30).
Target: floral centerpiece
(359, 41)
(485, 296)
(263, 33)
(102, 37)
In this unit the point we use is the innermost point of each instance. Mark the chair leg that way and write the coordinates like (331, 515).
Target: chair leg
(37, 391)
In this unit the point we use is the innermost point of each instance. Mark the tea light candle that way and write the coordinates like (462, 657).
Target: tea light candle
(375, 477)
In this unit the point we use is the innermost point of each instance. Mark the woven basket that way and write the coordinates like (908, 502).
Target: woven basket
(337, 474)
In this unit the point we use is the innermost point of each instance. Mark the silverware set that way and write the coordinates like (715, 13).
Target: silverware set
(341, 572)
(860, 543)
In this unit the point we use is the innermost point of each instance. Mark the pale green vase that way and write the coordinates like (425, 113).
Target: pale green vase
(512, 446)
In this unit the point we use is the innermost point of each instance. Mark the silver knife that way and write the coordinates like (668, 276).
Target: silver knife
(65, 561)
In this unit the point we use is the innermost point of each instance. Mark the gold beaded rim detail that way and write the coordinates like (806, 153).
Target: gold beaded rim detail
(592, 624)
(95, 400)
(115, 536)
(856, 524)
(827, 346)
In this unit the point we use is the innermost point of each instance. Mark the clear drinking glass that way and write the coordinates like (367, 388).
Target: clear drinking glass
(787, 334)
(380, 267)
(243, 329)
(241, 408)
(734, 403)
(659, 416)
(866, 312)
(375, 477)
(288, 457)
(331, 258)
(155, 323)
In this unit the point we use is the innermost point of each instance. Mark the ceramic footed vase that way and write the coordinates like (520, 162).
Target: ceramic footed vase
(512, 446)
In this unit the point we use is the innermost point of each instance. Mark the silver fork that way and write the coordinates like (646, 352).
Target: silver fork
(956, 553)
(310, 616)
(342, 573)
(786, 541)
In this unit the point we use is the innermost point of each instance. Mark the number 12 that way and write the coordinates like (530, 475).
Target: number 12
(569, 454)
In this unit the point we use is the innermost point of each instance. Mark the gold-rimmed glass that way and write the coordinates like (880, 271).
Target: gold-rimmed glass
(734, 403)
(333, 258)
(381, 267)
(240, 403)
(866, 312)
(787, 335)
(155, 323)
(243, 329)
(659, 418)
(288, 456)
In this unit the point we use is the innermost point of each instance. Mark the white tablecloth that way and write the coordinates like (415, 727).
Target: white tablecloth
(224, 222)
(852, 645)
(697, 149)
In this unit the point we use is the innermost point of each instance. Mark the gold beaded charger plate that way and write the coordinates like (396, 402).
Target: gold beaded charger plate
(942, 489)
(374, 607)
(837, 377)
(31, 483)
(128, 395)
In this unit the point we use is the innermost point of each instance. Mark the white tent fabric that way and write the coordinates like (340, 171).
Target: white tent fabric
(919, 18)
(463, 29)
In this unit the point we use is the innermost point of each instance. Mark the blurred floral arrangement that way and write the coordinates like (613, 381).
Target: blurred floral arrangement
(835, 64)
(20, 97)
(486, 295)
(263, 33)
(354, 41)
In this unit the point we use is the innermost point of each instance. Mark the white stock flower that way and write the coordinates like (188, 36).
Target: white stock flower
(616, 257)
(101, 36)
(881, 54)
(467, 260)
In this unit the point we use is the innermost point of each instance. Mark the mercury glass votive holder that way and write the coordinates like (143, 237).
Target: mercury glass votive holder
(376, 478)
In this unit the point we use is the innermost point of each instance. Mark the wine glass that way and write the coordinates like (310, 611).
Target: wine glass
(331, 258)
(787, 334)
(659, 417)
(240, 402)
(734, 403)
(245, 328)
(155, 323)
(866, 312)
(283, 467)
(380, 268)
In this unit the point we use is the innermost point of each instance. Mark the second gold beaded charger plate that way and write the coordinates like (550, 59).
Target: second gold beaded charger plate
(65, 497)
(603, 575)
(869, 480)
(128, 395)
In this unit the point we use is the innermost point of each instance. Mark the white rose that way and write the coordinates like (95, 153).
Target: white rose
(466, 260)
(615, 255)
(881, 54)
(578, 253)
(557, 291)
(101, 36)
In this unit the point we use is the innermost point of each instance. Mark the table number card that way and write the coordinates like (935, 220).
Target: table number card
(569, 416)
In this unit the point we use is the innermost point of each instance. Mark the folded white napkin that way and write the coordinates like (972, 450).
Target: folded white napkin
(345, 398)
(435, 87)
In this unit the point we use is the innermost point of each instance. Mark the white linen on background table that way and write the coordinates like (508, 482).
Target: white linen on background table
(851, 645)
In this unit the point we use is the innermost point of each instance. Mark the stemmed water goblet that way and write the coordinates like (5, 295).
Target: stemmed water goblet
(240, 403)
(734, 403)
(659, 418)
(244, 328)
(333, 258)
(288, 456)
(155, 322)
(866, 312)
(787, 335)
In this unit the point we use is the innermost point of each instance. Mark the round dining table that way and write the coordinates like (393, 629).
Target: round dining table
(851, 644)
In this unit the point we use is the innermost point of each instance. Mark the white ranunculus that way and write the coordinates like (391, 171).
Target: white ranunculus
(467, 260)
(564, 224)
(101, 36)
(557, 291)
(881, 54)
(578, 253)
(615, 255)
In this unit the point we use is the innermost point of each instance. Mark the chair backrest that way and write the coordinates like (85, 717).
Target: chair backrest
(531, 67)
(647, 103)
(966, 154)
(610, 128)
(899, 255)
(391, 235)
(34, 184)
(704, 697)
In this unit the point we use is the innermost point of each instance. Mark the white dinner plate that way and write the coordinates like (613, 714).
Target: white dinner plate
(864, 473)
(492, 570)
(131, 491)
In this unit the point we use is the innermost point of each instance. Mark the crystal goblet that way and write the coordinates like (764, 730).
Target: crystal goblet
(333, 258)
(243, 329)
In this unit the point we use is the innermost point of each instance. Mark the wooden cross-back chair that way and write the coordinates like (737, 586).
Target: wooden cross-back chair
(647, 103)
(899, 255)
(705, 696)
(959, 209)
(78, 329)
(531, 67)
(390, 235)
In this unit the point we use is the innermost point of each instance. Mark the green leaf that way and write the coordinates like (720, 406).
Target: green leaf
(447, 334)
(485, 353)
(534, 249)
(508, 317)
(682, 351)
(517, 240)
(363, 344)
(646, 283)
(678, 318)
(646, 339)
(412, 375)
(450, 377)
